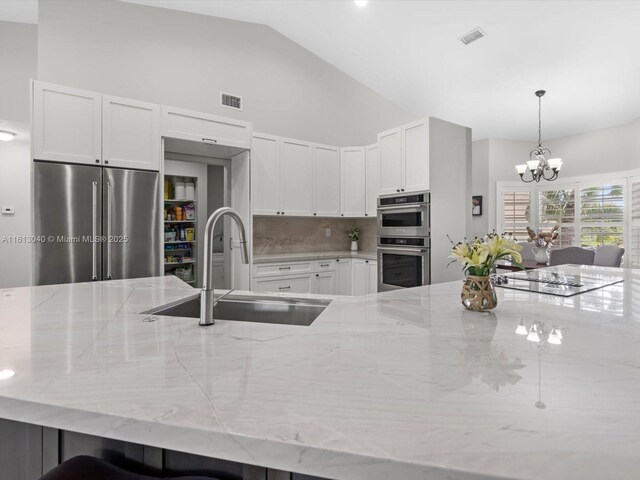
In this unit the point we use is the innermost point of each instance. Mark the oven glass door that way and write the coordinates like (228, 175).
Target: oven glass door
(403, 268)
(413, 221)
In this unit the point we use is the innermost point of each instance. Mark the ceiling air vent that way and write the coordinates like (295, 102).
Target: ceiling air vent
(472, 36)
(230, 101)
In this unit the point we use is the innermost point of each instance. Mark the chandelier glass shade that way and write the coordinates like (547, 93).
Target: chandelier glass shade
(540, 165)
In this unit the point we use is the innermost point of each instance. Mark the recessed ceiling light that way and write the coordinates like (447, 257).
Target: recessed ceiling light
(5, 135)
(4, 374)
(361, 3)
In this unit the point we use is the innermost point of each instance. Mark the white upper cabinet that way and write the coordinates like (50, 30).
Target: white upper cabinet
(66, 124)
(326, 181)
(203, 127)
(265, 175)
(416, 156)
(353, 182)
(372, 177)
(130, 133)
(404, 158)
(296, 178)
(391, 165)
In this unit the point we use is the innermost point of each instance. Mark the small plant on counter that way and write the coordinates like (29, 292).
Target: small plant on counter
(478, 258)
(354, 234)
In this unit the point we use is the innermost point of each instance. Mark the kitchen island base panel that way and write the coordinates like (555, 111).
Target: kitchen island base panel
(29, 451)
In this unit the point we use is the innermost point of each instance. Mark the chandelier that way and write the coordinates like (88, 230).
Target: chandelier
(540, 166)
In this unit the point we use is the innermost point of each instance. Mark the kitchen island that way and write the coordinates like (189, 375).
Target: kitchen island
(397, 385)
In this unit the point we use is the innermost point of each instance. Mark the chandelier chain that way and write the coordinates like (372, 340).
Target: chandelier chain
(539, 121)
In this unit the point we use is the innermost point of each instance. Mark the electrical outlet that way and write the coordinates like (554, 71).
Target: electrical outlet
(327, 232)
(8, 210)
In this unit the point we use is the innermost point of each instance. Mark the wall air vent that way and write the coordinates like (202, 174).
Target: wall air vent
(230, 101)
(472, 36)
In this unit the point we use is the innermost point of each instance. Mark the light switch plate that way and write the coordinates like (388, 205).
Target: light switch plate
(8, 210)
(327, 232)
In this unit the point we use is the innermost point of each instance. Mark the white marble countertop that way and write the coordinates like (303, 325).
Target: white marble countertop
(299, 257)
(403, 385)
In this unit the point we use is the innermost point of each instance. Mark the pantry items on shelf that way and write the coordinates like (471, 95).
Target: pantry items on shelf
(180, 213)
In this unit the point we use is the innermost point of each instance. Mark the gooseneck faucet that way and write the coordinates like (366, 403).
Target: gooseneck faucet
(207, 301)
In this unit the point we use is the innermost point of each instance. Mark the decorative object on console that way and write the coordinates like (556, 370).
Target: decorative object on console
(354, 236)
(540, 166)
(478, 258)
(476, 205)
(542, 243)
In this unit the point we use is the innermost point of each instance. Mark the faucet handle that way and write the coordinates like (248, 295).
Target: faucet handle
(216, 300)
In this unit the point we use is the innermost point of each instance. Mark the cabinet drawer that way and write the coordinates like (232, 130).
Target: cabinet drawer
(284, 284)
(202, 127)
(269, 269)
(325, 266)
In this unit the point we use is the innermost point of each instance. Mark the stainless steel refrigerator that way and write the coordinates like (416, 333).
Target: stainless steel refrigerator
(95, 223)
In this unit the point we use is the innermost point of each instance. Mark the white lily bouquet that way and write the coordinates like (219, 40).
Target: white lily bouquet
(478, 258)
(480, 254)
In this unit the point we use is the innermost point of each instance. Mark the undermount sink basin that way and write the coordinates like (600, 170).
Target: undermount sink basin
(245, 308)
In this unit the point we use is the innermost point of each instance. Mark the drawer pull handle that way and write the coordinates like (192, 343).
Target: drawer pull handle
(324, 264)
(284, 288)
(284, 268)
(207, 140)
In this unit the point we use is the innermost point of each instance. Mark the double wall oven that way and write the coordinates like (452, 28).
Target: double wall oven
(403, 241)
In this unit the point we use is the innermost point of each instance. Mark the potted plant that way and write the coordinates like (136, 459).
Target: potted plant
(354, 236)
(478, 258)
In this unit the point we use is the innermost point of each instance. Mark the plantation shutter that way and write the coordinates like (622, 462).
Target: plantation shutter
(633, 252)
(602, 215)
(516, 213)
(558, 207)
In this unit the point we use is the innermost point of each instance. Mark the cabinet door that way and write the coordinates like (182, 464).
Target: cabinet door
(373, 276)
(296, 172)
(360, 277)
(343, 277)
(66, 124)
(391, 169)
(324, 283)
(372, 176)
(353, 182)
(265, 183)
(131, 135)
(284, 284)
(203, 127)
(326, 181)
(416, 156)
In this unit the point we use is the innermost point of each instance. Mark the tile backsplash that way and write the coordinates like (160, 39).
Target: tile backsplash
(308, 234)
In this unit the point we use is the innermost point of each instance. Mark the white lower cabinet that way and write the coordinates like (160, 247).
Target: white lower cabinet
(343, 277)
(365, 276)
(285, 284)
(325, 283)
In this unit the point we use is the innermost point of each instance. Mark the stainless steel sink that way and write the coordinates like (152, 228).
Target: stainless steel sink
(245, 308)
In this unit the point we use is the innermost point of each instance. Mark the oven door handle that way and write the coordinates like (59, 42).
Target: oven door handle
(406, 206)
(403, 250)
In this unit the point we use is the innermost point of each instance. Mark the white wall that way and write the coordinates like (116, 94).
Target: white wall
(15, 258)
(18, 63)
(185, 60)
(613, 149)
(450, 183)
(478, 226)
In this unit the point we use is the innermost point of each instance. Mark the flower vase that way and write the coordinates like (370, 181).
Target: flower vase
(478, 294)
(354, 245)
(541, 255)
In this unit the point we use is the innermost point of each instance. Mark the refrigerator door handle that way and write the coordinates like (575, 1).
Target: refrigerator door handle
(94, 232)
(109, 188)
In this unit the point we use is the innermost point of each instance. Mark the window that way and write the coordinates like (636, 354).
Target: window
(602, 215)
(517, 213)
(558, 207)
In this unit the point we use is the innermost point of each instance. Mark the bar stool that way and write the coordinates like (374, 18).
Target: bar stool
(84, 467)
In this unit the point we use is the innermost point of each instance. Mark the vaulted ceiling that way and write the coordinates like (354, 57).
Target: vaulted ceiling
(584, 53)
